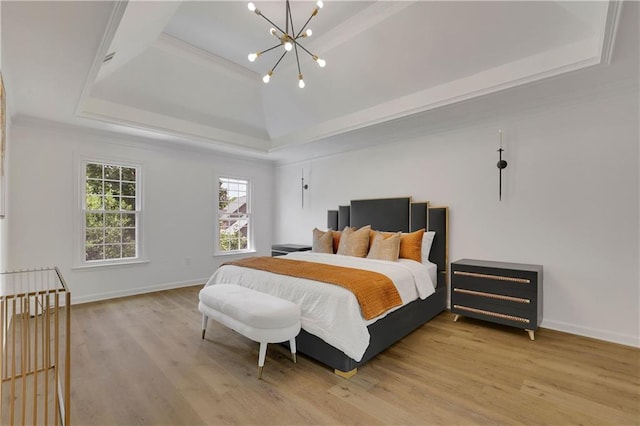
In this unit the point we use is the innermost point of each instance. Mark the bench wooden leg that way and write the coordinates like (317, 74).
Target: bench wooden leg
(205, 320)
(292, 345)
(261, 357)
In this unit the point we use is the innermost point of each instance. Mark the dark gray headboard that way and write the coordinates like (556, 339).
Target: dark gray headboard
(399, 214)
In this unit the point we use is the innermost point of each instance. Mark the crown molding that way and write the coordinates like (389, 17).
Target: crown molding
(177, 47)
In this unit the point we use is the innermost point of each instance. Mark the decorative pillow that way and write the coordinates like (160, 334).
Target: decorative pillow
(411, 245)
(336, 240)
(427, 240)
(322, 241)
(385, 248)
(354, 243)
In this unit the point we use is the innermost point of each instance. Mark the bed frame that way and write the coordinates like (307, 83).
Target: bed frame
(388, 214)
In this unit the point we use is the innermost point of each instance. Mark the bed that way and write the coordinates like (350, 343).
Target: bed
(326, 342)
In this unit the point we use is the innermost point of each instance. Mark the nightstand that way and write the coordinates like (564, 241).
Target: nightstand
(282, 249)
(500, 292)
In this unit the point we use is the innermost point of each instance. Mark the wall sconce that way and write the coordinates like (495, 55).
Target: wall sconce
(304, 187)
(502, 164)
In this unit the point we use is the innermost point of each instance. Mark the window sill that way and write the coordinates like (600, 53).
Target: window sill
(233, 253)
(119, 263)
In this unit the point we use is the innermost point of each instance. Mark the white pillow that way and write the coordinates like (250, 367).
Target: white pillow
(427, 240)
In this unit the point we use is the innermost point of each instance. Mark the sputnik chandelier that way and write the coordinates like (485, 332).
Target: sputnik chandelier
(288, 39)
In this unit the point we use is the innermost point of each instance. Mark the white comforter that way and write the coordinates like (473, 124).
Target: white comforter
(329, 311)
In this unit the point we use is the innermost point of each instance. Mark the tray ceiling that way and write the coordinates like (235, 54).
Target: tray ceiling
(180, 70)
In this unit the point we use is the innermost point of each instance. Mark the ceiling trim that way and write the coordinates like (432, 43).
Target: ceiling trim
(112, 26)
(99, 109)
(194, 54)
(610, 30)
(536, 67)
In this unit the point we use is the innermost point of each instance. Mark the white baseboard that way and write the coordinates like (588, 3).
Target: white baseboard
(609, 336)
(134, 291)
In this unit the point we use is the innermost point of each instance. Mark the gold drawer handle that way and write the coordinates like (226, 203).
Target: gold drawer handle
(492, 295)
(493, 277)
(492, 314)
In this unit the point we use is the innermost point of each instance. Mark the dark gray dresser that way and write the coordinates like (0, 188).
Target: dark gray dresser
(504, 293)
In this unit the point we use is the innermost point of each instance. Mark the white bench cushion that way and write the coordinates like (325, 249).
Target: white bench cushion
(250, 307)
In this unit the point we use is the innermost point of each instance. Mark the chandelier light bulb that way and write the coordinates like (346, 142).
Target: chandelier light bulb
(300, 81)
(251, 6)
(321, 62)
(288, 46)
(320, 4)
(308, 32)
(272, 31)
(267, 77)
(252, 57)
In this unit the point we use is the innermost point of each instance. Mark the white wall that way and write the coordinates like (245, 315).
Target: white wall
(179, 201)
(570, 200)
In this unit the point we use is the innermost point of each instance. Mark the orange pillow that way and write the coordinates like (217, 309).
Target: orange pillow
(336, 240)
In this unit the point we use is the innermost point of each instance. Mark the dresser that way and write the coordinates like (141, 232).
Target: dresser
(500, 292)
(282, 249)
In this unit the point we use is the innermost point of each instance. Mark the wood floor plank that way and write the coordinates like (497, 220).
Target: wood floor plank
(141, 360)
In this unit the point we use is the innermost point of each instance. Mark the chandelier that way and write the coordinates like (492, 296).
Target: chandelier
(288, 39)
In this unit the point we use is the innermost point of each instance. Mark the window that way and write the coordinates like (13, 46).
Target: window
(234, 215)
(111, 212)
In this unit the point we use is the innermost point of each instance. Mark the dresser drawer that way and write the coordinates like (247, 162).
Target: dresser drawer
(518, 307)
(516, 287)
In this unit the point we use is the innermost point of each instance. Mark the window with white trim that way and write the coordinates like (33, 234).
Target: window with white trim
(111, 209)
(234, 215)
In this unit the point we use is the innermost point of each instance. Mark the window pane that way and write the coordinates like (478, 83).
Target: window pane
(94, 252)
(94, 187)
(94, 236)
(112, 172)
(128, 235)
(128, 203)
(111, 202)
(94, 220)
(128, 220)
(113, 235)
(112, 251)
(128, 250)
(112, 188)
(129, 174)
(94, 202)
(112, 220)
(129, 189)
(94, 171)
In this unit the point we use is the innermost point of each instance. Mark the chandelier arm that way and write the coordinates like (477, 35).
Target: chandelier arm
(271, 22)
(271, 48)
(304, 27)
(303, 48)
(295, 46)
(287, 17)
(276, 65)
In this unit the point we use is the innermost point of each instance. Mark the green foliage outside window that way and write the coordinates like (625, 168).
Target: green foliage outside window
(110, 212)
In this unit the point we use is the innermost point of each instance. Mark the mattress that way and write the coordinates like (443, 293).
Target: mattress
(331, 312)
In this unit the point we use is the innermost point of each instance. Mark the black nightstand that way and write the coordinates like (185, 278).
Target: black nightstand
(504, 293)
(282, 249)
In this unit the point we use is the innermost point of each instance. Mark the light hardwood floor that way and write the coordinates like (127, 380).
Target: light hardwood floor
(141, 360)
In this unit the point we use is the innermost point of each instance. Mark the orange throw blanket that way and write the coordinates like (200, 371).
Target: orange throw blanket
(375, 292)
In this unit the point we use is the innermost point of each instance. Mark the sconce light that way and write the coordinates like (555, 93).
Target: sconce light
(502, 164)
(304, 187)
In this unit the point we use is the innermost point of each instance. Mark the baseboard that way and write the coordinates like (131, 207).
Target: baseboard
(609, 336)
(135, 291)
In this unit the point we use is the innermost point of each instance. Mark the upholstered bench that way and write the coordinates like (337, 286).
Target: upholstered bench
(258, 316)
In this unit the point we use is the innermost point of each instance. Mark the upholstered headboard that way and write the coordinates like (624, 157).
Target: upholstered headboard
(399, 214)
